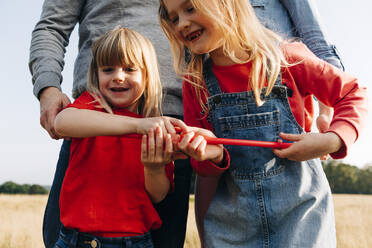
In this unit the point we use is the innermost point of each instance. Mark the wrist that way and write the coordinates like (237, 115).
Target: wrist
(136, 122)
(154, 170)
(130, 124)
(48, 91)
(220, 160)
(335, 142)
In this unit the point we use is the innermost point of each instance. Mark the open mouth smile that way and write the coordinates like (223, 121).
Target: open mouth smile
(119, 89)
(193, 36)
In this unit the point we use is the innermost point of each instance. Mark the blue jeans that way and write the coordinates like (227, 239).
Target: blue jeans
(172, 210)
(69, 238)
(52, 222)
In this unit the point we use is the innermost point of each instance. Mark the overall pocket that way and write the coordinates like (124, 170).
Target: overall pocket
(247, 161)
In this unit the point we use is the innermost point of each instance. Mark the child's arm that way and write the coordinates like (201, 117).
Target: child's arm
(156, 152)
(309, 145)
(81, 123)
(194, 145)
(332, 87)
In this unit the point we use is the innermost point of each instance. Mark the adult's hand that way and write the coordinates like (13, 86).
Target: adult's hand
(52, 100)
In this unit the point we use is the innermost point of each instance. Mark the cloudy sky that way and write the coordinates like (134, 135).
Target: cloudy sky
(28, 155)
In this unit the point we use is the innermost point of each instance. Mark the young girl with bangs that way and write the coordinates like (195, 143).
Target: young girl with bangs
(114, 175)
(243, 81)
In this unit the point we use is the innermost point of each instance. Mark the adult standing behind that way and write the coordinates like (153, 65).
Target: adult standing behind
(300, 19)
(292, 19)
(49, 40)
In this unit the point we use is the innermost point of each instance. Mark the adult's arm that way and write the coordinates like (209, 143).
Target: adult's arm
(305, 18)
(50, 38)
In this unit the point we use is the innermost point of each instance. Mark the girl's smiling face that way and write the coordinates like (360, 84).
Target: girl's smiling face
(121, 86)
(194, 29)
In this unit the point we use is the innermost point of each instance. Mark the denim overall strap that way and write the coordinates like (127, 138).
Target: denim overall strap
(262, 200)
(209, 78)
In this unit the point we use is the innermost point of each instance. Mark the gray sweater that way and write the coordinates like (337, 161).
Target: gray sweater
(95, 17)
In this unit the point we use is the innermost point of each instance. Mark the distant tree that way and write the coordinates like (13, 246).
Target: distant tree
(14, 188)
(9, 187)
(345, 178)
(367, 167)
(37, 189)
(365, 181)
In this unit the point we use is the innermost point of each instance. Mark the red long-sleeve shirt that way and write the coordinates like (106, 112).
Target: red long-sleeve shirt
(312, 76)
(103, 192)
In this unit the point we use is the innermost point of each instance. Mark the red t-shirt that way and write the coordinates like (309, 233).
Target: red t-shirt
(103, 192)
(312, 75)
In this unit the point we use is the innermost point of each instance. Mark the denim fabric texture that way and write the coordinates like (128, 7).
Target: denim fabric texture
(51, 222)
(72, 239)
(262, 200)
(298, 19)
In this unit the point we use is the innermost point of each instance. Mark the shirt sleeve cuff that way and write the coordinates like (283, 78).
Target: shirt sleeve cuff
(347, 134)
(46, 79)
(208, 168)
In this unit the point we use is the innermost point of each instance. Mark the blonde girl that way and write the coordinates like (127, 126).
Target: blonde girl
(114, 175)
(243, 81)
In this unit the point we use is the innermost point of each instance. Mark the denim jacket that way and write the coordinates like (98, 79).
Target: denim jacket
(95, 17)
(297, 19)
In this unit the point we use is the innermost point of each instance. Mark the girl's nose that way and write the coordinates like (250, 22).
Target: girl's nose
(183, 23)
(119, 76)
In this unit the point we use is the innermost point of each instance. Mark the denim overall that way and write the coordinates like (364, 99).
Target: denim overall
(262, 200)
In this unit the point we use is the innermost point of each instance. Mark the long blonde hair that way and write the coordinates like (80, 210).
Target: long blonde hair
(122, 46)
(242, 31)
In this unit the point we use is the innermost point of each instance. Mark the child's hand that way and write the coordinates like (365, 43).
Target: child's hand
(153, 156)
(165, 123)
(309, 145)
(193, 144)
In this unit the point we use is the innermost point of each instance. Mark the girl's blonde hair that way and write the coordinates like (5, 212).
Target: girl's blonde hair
(122, 46)
(242, 31)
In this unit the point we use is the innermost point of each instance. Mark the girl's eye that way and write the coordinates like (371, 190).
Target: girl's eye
(107, 69)
(130, 69)
(190, 10)
(174, 20)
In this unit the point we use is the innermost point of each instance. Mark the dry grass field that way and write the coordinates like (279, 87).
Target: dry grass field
(21, 218)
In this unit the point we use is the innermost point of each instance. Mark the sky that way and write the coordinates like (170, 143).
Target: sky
(29, 155)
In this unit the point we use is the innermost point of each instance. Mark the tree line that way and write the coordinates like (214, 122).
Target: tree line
(343, 178)
(14, 188)
(348, 179)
